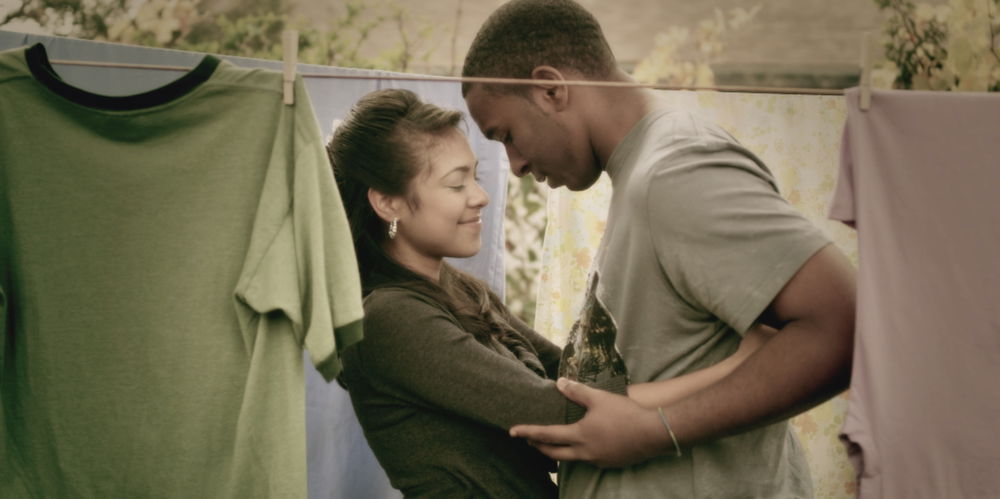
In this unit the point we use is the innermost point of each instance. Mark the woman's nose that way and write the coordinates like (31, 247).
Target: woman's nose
(479, 196)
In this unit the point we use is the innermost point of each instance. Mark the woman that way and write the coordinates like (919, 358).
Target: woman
(444, 369)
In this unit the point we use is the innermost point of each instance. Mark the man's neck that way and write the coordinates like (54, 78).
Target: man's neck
(614, 113)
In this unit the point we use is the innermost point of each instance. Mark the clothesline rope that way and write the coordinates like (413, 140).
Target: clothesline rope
(498, 81)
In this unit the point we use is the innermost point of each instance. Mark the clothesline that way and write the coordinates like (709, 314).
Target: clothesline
(500, 81)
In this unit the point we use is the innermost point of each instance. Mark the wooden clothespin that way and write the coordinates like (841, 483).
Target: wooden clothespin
(290, 56)
(866, 72)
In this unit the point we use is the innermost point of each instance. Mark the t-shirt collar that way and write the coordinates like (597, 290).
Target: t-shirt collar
(38, 62)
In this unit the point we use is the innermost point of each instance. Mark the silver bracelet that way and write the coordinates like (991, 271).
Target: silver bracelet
(663, 417)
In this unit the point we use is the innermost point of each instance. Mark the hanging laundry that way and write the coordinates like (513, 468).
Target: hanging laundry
(165, 258)
(919, 180)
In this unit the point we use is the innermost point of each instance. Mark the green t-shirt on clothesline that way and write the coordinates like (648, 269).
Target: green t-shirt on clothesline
(165, 259)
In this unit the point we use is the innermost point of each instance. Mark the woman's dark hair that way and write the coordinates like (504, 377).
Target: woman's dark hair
(379, 147)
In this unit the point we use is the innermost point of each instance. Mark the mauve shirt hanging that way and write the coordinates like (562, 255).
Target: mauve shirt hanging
(920, 181)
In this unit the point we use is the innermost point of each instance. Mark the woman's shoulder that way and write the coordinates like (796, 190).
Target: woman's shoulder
(390, 307)
(393, 298)
(402, 318)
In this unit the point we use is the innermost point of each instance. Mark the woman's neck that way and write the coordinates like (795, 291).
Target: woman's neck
(429, 267)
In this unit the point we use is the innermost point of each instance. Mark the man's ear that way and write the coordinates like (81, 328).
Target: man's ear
(551, 97)
(386, 207)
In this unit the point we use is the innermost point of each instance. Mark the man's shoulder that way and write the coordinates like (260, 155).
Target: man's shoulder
(673, 126)
(667, 136)
(671, 142)
(672, 139)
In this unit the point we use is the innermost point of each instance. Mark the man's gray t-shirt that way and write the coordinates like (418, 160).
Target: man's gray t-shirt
(698, 243)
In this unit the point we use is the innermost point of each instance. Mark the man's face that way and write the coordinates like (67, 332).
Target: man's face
(540, 140)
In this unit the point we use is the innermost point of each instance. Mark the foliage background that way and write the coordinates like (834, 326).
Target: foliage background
(253, 29)
(949, 45)
(249, 29)
(937, 45)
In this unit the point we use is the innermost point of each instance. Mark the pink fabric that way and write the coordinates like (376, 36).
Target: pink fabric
(920, 181)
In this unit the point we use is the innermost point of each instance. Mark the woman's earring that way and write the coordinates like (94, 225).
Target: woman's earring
(393, 225)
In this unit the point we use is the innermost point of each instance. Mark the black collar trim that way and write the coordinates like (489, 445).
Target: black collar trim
(41, 68)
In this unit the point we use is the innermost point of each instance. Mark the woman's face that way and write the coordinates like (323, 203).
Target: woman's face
(443, 217)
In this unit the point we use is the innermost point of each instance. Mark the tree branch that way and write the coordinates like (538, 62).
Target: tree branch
(993, 33)
(17, 14)
(454, 36)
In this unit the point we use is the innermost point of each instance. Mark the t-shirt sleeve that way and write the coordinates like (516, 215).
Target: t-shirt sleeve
(842, 203)
(4, 317)
(725, 238)
(301, 260)
(416, 351)
(6, 259)
(327, 265)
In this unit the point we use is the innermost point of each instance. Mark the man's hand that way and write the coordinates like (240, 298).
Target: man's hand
(615, 431)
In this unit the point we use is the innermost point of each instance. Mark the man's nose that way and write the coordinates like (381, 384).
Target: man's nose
(518, 165)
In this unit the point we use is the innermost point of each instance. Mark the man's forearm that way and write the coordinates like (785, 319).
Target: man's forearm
(800, 367)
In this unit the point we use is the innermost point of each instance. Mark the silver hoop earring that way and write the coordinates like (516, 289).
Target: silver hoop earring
(393, 225)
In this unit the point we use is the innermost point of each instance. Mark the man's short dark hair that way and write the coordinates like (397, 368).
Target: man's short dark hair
(524, 34)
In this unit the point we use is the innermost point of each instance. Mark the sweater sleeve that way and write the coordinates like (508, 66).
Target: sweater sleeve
(416, 351)
(551, 356)
(547, 351)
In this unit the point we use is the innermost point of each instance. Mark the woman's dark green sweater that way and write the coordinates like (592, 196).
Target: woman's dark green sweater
(435, 403)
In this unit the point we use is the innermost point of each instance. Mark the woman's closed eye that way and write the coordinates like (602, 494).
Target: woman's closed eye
(461, 177)
(462, 186)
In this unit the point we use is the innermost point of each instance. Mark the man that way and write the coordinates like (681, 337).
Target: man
(699, 248)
